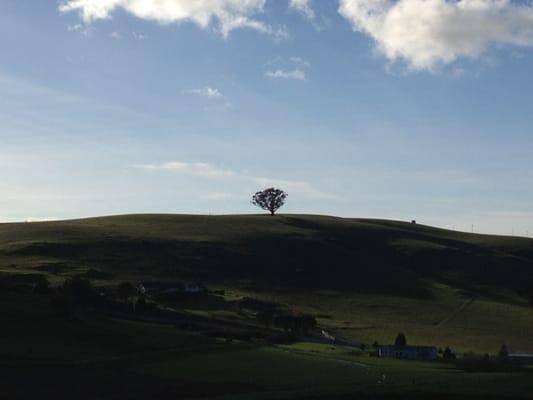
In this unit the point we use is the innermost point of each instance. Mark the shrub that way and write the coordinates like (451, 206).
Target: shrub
(448, 354)
(400, 340)
(125, 290)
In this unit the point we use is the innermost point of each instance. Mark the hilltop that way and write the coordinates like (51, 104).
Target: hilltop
(285, 251)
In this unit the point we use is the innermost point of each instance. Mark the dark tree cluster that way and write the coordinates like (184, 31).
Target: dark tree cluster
(270, 199)
(300, 324)
(400, 340)
(448, 354)
(75, 293)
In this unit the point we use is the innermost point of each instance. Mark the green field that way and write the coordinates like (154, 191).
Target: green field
(364, 280)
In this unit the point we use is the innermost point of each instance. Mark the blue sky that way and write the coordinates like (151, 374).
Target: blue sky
(409, 109)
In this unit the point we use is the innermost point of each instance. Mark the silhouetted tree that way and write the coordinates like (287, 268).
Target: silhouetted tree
(448, 354)
(80, 290)
(270, 199)
(300, 324)
(125, 290)
(504, 352)
(400, 340)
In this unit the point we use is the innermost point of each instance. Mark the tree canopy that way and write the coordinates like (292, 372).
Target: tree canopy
(400, 340)
(270, 199)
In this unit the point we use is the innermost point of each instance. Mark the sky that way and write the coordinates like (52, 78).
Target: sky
(397, 109)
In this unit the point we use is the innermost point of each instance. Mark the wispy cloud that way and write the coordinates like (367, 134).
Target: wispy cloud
(208, 92)
(298, 187)
(224, 15)
(80, 28)
(295, 74)
(300, 61)
(427, 34)
(207, 170)
(200, 169)
(304, 8)
(115, 35)
(291, 68)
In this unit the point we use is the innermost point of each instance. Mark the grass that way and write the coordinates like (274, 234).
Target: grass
(365, 280)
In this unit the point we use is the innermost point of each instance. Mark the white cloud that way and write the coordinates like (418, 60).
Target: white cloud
(74, 28)
(80, 28)
(224, 15)
(200, 169)
(303, 7)
(296, 74)
(208, 92)
(115, 35)
(429, 33)
(298, 187)
(300, 61)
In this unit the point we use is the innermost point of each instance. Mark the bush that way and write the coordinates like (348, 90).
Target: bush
(504, 352)
(448, 354)
(125, 290)
(400, 340)
(80, 293)
(299, 324)
(80, 290)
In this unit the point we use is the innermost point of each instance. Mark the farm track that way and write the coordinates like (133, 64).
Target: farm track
(455, 313)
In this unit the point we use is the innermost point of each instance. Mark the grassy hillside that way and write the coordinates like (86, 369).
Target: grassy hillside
(364, 280)
(290, 251)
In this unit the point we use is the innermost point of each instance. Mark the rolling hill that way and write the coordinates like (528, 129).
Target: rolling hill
(364, 281)
(285, 251)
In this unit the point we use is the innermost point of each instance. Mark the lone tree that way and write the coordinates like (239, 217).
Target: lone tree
(400, 340)
(503, 353)
(270, 199)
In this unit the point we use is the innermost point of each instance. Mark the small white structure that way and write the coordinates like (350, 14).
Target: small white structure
(522, 357)
(427, 353)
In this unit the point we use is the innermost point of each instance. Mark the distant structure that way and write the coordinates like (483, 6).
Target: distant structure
(521, 357)
(195, 288)
(413, 221)
(427, 353)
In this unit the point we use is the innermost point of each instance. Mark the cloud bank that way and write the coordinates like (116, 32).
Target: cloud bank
(225, 15)
(429, 33)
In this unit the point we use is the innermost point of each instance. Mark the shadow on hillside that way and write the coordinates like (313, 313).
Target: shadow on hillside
(336, 255)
